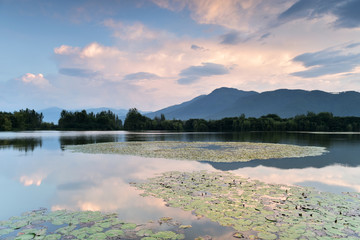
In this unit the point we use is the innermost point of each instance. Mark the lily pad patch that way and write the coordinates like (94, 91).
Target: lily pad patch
(202, 151)
(257, 209)
(84, 225)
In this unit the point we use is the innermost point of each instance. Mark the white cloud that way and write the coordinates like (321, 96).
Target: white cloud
(131, 32)
(35, 79)
(249, 64)
(65, 50)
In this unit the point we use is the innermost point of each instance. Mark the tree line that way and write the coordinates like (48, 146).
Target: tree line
(323, 121)
(22, 120)
(27, 119)
(81, 120)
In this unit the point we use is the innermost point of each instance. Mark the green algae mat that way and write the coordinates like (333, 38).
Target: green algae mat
(202, 151)
(41, 224)
(257, 210)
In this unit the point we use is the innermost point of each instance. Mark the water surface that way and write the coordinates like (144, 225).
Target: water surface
(36, 171)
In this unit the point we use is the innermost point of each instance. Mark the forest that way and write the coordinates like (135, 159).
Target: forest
(23, 120)
(27, 119)
(324, 122)
(81, 120)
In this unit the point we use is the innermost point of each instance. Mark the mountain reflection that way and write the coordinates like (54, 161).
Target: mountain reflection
(299, 138)
(342, 150)
(21, 144)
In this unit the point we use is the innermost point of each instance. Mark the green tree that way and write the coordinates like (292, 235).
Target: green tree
(5, 122)
(136, 121)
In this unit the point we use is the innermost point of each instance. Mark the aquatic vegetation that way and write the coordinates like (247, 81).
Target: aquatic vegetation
(259, 210)
(202, 151)
(41, 224)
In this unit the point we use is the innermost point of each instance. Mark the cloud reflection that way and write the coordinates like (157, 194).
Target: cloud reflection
(341, 177)
(31, 180)
(101, 181)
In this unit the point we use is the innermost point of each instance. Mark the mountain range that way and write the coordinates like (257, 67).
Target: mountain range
(231, 102)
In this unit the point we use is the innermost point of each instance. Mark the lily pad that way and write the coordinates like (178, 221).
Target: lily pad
(128, 226)
(98, 236)
(26, 236)
(52, 237)
(168, 235)
(114, 233)
(5, 231)
(185, 226)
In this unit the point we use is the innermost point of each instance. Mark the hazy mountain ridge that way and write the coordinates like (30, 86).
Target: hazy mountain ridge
(204, 106)
(230, 102)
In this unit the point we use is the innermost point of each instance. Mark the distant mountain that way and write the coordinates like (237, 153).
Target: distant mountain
(230, 102)
(204, 106)
(288, 103)
(53, 114)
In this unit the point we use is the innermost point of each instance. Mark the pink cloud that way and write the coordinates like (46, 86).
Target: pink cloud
(247, 16)
(65, 50)
(35, 79)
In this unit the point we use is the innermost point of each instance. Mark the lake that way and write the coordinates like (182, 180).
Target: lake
(36, 171)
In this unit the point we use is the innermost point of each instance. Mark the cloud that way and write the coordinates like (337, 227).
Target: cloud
(248, 16)
(131, 32)
(264, 36)
(92, 50)
(194, 73)
(141, 76)
(353, 45)
(236, 37)
(327, 62)
(28, 91)
(346, 12)
(196, 47)
(307, 9)
(174, 5)
(117, 74)
(78, 72)
(35, 79)
(65, 50)
(231, 38)
(136, 37)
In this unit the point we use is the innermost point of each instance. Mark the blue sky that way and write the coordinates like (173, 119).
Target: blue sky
(151, 54)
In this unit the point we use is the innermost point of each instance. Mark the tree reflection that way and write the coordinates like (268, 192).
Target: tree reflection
(21, 144)
(87, 139)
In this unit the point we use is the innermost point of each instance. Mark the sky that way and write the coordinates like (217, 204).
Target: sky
(151, 54)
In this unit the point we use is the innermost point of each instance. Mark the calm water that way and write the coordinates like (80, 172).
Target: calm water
(36, 171)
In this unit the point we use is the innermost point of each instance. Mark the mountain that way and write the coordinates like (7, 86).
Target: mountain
(204, 106)
(288, 103)
(230, 102)
(53, 114)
